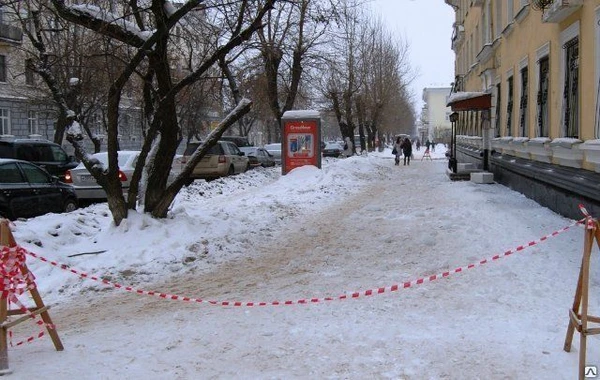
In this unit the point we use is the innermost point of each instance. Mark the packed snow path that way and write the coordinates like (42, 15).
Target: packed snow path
(505, 320)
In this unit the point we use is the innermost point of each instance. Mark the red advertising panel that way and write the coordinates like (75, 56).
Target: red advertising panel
(301, 143)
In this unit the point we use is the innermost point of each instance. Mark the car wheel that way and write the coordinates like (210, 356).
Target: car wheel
(231, 170)
(70, 205)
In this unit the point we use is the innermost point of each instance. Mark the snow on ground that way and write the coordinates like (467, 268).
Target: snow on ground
(358, 223)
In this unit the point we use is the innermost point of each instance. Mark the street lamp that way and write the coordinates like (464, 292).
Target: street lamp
(452, 161)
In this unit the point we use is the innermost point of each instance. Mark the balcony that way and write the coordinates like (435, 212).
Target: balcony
(11, 34)
(559, 10)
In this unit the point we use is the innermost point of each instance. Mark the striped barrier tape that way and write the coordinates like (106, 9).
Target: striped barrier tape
(14, 283)
(357, 294)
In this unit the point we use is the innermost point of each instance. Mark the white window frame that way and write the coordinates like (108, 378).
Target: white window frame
(541, 52)
(33, 122)
(5, 121)
(565, 36)
(499, 23)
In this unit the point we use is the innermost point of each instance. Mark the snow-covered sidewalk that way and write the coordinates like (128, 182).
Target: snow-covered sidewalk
(359, 223)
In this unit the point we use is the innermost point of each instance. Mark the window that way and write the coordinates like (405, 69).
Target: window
(35, 174)
(498, 103)
(571, 88)
(542, 96)
(29, 73)
(2, 68)
(523, 130)
(32, 121)
(499, 24)
(4, 121)
(10, 173)
(509, 106)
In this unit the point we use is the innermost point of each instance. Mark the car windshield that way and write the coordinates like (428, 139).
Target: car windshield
(248, 150)
(332, 146)
(275, 146)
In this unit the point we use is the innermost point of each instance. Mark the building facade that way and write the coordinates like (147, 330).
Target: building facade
(435, 115)
(539, 62)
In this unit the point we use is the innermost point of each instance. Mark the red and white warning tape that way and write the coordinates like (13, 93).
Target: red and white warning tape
(14, 283)
(358, 294)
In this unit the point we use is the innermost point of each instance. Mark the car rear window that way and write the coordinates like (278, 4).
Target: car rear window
(191, 148)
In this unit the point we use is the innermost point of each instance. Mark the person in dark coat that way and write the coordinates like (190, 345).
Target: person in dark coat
(406, 150)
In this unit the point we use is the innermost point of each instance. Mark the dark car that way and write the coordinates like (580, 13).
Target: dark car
(258, 156)
(27, 190)
(332, 150)
(43, 153)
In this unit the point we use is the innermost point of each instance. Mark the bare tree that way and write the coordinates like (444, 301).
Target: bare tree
(147, 39)
(286, 43)
(367, 76)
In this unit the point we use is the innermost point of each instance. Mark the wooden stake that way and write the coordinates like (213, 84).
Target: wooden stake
(7, 239)
(579, 320)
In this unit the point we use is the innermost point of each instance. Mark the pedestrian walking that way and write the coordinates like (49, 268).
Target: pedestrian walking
(418, 145)
(406, 150)
(397, 151)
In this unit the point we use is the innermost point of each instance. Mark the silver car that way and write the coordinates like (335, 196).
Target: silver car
(223, 159)
(85, 184)
(275, 150)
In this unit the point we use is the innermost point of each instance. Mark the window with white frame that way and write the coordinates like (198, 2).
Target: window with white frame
(4, 121)
(510, 11)
(487, 23)
(543, 90)
(570, 74)
(499, 23)
(33, 122)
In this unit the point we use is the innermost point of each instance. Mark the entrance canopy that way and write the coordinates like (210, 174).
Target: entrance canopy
(470, 101)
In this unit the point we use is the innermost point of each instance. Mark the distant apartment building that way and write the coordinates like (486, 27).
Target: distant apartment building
(27, 109)
(23, 111)
(526, 93)
(435, 115)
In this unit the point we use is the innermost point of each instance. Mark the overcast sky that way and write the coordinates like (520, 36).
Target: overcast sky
(427, 27)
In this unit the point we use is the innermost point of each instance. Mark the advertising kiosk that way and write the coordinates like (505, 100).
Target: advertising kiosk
(301, 139)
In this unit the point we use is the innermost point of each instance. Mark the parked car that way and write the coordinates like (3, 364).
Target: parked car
(332, 150)
(258, 156)
(43, 153)
(240, 141)
(26, 190)
(85, 184)
(223, 159)
(275, 150)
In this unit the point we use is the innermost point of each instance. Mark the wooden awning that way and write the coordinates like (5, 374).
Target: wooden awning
(469, 101)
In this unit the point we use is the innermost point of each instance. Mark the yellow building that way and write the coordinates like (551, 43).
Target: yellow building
(526, 88)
